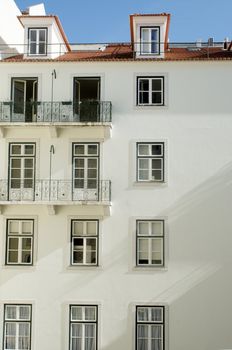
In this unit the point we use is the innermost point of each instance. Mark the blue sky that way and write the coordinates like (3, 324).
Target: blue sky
(108, 20)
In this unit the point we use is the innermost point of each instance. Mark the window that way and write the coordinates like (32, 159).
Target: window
(150, 242)
(83, 327)
(150, 91)
(17, 327)
(150, 328)
(150, 40)
(24, 97)
(84, 242)
(85, 171)
(37, 38)
(19, 242)
(150, 162)
(22, 171)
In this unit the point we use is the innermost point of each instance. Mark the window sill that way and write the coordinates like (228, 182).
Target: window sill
(25, 267)
(150, 184)
(150, 107)
(84, 267)
(150, 269)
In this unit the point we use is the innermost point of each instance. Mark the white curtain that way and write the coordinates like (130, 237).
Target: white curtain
(76, 336)
(24, 336)
(143, 337)
(10, 332)
(90, 337)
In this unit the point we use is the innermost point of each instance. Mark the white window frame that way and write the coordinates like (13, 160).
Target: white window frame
(150, 237)
(85, 236)
(37, 42)
(83, 322)
(149, 323)
(150, 91)
(17, 321)
(150, 41)
(22, 156)
(19, 236)
(149, 158)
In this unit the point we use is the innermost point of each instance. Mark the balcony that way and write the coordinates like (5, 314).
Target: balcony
(56, 114)
(55, 192)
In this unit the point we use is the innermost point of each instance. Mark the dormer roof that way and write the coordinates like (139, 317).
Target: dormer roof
(28, 20)
(157, 20)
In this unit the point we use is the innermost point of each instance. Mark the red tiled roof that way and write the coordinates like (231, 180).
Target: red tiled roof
(124, 52)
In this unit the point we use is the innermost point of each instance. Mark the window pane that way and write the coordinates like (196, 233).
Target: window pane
(156, 85)
(143, 175)
(91, 228)
(11, 312)
(79, 184)
(76, 313)
(156, 251)
(157, 175)
(157, 228)
(154, 34)
(144, 164)
(143, 150)
(33, 48)
(142, 314)
(16, 149)
(157, 314)
(42, 49)
(143, 84)
(91, 251)
(143, 246)
(42, 35)
(15, 173)
(79, 163)
(143, 228)
(79, 173)
(90, 313)
(92, 149)
(78, 228)
(24, 312)
(157, 149)
(28, 163)
(79, 150)
(156, 163)
(89, 337)
(92, 173)
(156, 97)
(16, 163)
(13, 243)
(29, 149)
(144, 97)
(13, 226)
(33, 35)
(27, 227)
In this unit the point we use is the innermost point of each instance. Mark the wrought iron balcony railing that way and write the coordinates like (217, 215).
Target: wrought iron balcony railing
(55, 190)
(88, 111)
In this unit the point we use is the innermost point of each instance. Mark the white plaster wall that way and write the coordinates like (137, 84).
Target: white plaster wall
(10, 28)
(195, 201)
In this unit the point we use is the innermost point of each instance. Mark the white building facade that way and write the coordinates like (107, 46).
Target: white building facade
(115, 190)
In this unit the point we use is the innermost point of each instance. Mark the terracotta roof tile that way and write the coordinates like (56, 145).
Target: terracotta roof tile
(124, 52)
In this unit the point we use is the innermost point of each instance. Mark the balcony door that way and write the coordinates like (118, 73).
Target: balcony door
(85, 171)
(24, 96)
(86, 98)
(21, 171)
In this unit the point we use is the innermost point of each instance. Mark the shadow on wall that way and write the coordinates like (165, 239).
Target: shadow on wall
(6, 50)
(200, 236)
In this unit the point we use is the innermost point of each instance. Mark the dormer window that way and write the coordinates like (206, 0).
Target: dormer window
(37, 41)
(150, 40)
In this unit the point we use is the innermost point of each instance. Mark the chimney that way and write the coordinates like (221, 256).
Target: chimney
(225, 43)
(210, 42)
